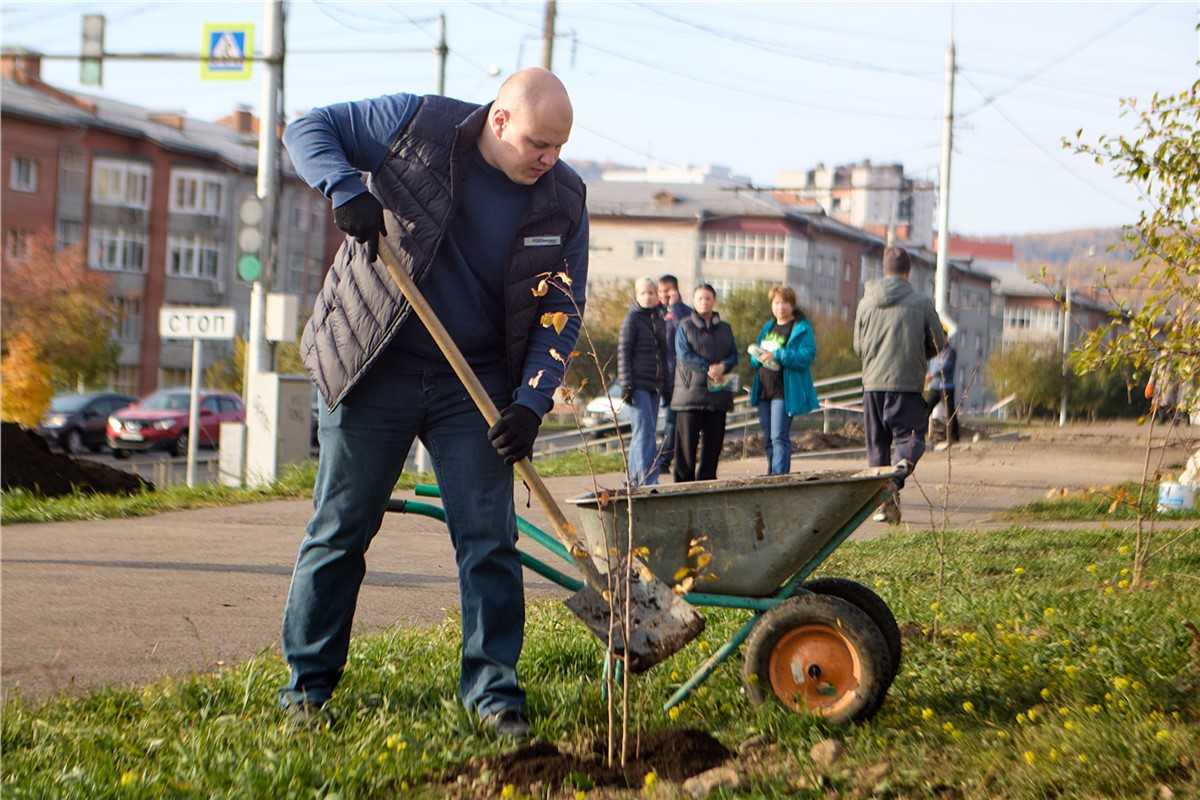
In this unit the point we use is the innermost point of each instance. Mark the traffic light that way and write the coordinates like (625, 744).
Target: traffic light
(91, 54)
(249, 239)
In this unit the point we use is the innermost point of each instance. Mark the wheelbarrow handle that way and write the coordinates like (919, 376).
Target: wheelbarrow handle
(562, 528)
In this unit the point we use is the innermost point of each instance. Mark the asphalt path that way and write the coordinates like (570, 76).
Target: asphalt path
(127, 602)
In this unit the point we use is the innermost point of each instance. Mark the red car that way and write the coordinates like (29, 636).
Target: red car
(160, 421)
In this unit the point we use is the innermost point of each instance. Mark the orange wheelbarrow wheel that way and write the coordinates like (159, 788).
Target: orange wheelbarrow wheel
(818, 654)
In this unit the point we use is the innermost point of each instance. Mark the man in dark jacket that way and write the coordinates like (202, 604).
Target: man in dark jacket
(896, 332)
(480, 210)
(705, 383)
(674, 311)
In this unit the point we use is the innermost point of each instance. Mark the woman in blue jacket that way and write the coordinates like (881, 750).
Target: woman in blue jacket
(783, 384)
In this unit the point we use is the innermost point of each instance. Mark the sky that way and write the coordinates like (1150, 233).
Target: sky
(758, 87)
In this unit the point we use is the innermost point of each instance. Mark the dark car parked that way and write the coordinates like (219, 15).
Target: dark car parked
(75, 422)
(160, 421)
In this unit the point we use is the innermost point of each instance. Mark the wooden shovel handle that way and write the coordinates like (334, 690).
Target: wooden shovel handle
(563, 529)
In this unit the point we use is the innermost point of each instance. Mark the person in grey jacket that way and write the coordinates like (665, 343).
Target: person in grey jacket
(705, 355)
(480, 211)
(896, 332)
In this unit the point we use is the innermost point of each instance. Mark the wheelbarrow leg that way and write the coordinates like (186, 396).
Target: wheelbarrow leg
(710, 665)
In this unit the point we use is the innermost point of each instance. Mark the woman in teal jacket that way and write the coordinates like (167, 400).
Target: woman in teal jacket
(783, 384)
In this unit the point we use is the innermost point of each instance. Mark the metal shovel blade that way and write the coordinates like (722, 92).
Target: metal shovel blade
(661, 622)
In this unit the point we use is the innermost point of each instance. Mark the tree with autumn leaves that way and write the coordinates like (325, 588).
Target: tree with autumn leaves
(57, 327)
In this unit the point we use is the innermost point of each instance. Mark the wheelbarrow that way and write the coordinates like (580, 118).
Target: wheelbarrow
(828, 646)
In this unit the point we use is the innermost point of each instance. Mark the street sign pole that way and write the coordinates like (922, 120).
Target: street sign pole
(194, 415)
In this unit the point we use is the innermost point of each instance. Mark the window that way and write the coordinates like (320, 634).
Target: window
(170, 377)
(126, 380)
(23, 177)
(70, 231)
(16, 244)
(193, 257)
(127, 325)
(195, 191)
(73, 172)
(761, 248)
(652, 251)
(117, 249)
(120, 183)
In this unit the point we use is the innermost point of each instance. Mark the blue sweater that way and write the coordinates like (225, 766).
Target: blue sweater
(332, 146)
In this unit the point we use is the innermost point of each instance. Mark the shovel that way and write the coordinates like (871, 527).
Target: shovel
(661, 621)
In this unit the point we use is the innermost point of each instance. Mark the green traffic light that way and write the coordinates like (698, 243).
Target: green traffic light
(249, 268)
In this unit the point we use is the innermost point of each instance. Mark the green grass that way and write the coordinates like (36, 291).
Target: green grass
(1052, 678)
(296, 481)
(1118, 502)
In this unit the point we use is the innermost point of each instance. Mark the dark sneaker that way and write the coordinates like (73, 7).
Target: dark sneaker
(307, 717)
(510, 724)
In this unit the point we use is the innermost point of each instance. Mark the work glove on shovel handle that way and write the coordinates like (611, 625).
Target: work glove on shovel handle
(362, 217)
(514, 432)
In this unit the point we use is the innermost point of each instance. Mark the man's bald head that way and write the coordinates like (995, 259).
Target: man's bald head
(527, 125)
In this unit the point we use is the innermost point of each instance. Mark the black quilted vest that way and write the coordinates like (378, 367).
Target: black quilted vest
(360, 308)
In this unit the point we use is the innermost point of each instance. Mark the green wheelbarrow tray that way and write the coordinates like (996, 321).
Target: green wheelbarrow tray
(739, 537)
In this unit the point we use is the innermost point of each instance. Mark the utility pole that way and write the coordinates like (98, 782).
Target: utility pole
(441, 51)
(941, 298)
(1066, 348)
(257, 351)
(548, 36)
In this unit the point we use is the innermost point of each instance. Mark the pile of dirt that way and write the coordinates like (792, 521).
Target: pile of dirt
(850, 436)
(29, 464)
(540, 767)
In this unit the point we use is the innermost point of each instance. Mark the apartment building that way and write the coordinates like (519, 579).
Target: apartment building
(153, 198)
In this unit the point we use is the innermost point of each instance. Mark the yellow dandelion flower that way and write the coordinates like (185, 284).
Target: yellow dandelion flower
(1045, 693)
(1136, 686)
(968, 707)
(1083, 759)
(948, 727)
(878, 582)
(391, 741)
(970, 637)
(382, 757)
(1122, 584)
(1032, 714)
(1049, 612)
(1001, 734)
(704, 647)
(1068, 725)
(1053, 754)
(508, 791)
(1092, 568)
(1120, 684)
(128, 777)
(927, 713)
(1123, 549)
(1029, 756)
(933, 606)
(1162, 736)
(1062, 712)
(1124, 571)
(579, 795)
(1109, 590)
(404, 785)
(1019, 571)
(650, 779)
(1070, 669)
(1021, 719)
(674, 712)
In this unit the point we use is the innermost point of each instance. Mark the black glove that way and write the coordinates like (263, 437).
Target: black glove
(514, 432)
(362, 218)
(627, 395)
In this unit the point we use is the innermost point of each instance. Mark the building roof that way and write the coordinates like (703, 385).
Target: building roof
(172, 131)
(707, 201)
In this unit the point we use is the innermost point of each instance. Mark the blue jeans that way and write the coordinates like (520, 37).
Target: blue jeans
(643, 443)
(777, 435)
(364, 443)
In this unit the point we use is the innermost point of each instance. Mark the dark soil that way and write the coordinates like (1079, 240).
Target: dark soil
(671, 754)
(850, 436)
(27, 463)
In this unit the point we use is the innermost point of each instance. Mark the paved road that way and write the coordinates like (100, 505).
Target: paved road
(125, 602)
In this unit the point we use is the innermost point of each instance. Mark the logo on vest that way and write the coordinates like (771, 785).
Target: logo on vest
(543, 241)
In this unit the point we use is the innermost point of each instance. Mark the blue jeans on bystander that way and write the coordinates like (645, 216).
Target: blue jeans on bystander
(364, 443)
(643, 441)
(777, 435)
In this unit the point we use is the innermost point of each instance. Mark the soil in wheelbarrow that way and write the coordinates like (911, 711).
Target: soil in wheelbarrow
(540, 767)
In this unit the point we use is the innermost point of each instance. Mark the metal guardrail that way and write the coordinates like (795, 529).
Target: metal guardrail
(837, 396)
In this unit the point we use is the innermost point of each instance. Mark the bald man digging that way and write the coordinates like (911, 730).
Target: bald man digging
(477, 204)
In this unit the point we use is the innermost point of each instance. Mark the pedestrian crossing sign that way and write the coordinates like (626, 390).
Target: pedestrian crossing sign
(227, 51)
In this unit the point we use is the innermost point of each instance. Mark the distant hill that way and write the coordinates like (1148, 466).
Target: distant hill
(1082, 252)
